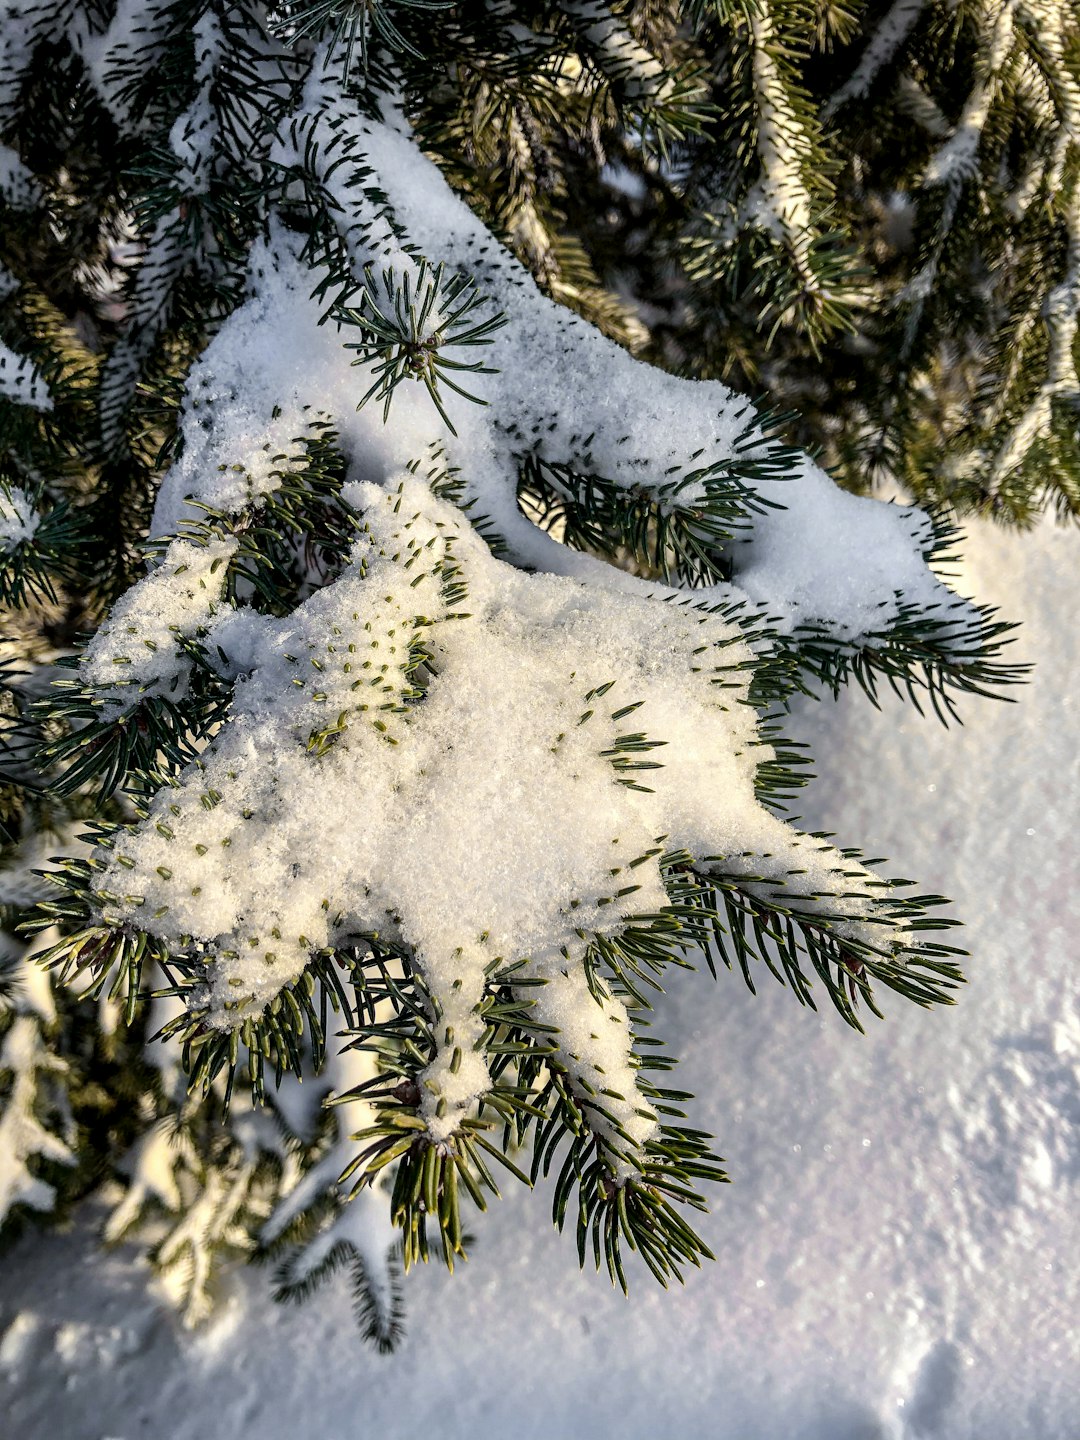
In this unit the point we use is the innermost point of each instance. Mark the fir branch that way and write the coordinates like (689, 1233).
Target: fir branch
(408, 329)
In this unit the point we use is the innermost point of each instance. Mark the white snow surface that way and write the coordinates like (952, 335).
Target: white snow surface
(893, 1257)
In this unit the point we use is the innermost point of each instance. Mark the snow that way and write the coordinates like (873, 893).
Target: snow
(896, 1257)
(26, 1060)
(883, 46)
(955, 161)
(607, 414)
(17, 184)
(641, 74)
(137, 646)
(501, 790)
(132, 41)
(18, 518)
(496, 786)
(502, 787)
(363, 1225)
(780, 201)
(195, 131)
(20, 381)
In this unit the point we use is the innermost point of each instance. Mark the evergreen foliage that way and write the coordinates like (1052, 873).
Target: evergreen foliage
(358, 599)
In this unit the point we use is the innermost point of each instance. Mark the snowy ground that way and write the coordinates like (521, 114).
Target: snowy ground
(894, 1252)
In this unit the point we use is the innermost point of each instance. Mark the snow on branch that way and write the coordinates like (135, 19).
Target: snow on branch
(608, 416)
(20, 381)
(35, 1129)
(447, 767)
(1061, 315)
(884, 44)
(782, 201)
(956, 160)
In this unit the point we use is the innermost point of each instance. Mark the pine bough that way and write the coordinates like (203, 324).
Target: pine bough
(443, 721)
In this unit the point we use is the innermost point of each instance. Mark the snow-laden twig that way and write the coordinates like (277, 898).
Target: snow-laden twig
(780, 201)
(1061, 314)
(622, 56)
(35, 1127)
(21, 382)
(885, 43)
(955, 161)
